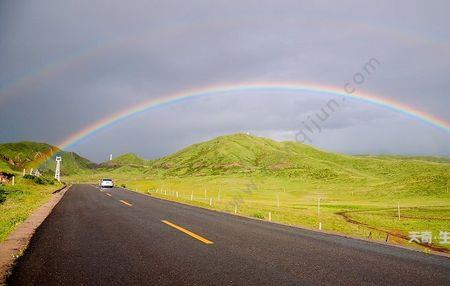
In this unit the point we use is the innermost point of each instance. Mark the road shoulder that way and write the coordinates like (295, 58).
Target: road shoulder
(17, 241)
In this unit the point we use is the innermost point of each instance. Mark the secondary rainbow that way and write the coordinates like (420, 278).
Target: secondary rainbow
(15, 87)
(250, 87)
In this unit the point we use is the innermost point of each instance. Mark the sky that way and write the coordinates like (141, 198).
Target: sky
(67, 64)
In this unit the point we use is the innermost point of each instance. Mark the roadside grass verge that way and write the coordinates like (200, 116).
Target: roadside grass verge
(21, 200)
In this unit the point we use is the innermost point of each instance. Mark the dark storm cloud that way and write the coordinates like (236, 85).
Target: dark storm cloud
(66, 64)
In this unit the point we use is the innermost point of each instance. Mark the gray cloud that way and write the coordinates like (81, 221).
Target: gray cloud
(66, 65)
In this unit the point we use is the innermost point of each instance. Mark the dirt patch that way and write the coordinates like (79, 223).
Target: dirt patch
(394, 236)
(280, 166)
(231, 165)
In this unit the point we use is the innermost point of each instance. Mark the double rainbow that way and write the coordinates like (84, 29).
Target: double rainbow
(249, 87)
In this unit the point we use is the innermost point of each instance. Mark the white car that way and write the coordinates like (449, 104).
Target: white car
(106, 183)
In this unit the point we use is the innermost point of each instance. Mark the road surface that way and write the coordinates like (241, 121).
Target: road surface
(118, 237)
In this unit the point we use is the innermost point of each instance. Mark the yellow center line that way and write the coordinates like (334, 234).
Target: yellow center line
(126, 203)
(108, 194)
(196, 236)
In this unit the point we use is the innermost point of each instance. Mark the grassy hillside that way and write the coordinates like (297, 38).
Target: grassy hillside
(242, 153)
(128, 159)
(18, 201)
(420, 158)
(245, 154)
(20, 155)
(257, 176)
(23, 154)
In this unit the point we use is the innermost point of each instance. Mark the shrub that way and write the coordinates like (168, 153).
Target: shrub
(258, 215)
(39, 180)
(3, 194)
(6, 192)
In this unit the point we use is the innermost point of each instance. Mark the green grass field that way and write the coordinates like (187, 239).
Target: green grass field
(367, 210)
(258, 177)
(19, 201)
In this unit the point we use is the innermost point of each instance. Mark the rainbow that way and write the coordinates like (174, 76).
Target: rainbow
(249, 87)
(18, 85)
(209, 91)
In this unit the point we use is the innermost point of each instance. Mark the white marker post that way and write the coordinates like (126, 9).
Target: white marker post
(235, 209)
(177, 195)
(270, 216)
(210, 201)
(192, 195)
(58, 169)
(13, 180)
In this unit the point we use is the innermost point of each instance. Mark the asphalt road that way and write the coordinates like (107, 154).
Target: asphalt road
(126, 238)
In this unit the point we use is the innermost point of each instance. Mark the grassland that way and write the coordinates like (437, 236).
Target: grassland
(359, 195)
(19, 201)
(365, 211)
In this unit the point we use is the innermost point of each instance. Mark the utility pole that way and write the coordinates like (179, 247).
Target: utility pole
(58, 169)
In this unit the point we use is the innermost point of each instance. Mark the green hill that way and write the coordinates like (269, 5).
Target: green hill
(245, 154)
(128, 159)
(362, 196)
(26, 155)
(241, 154)
(237, 153)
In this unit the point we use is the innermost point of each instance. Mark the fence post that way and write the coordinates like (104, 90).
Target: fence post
(318, 206)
